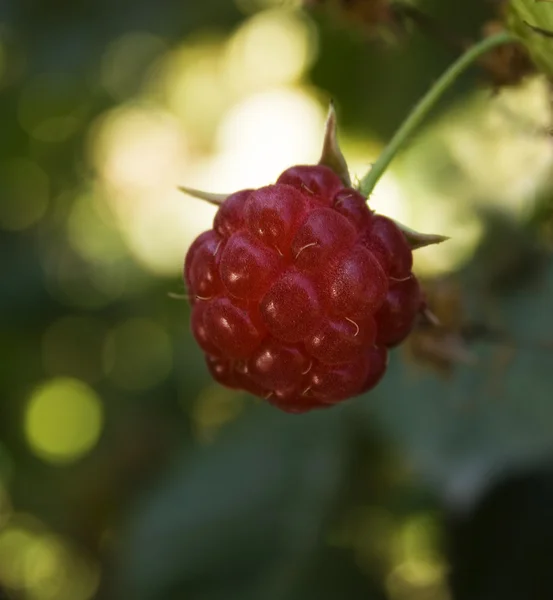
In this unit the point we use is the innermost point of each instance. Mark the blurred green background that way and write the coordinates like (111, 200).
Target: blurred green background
(125, 472)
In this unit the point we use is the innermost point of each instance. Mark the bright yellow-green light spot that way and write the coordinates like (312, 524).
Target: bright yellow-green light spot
(410, 581)
(407, 195)
(420, 538)
(63, 420)
(272, 48)
(45, 568)
(192, 83)
(140, 153)
(14, 543)
(265, 134)
(42, 565)
(419, 570)
(138, 354)
(448, 217)
(25, 189)
(136, 147)
(503, 147)
(486, 151)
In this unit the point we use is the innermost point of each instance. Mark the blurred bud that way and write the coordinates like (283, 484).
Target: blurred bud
(437, 342)
(532, 22)
(508, 64)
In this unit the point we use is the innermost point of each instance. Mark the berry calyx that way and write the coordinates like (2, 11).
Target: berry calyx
(299, 289)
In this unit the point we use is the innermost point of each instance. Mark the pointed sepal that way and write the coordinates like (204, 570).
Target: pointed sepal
(430, 317)
(175, 296)
(332, 156)
(417, 240)
(216, 199)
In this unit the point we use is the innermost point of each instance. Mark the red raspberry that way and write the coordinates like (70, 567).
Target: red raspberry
(299, 289)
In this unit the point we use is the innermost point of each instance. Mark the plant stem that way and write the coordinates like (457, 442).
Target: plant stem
(426, 103)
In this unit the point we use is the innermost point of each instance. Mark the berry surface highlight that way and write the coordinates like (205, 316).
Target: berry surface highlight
(299, 290)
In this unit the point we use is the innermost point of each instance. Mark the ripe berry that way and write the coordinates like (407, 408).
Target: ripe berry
(299, 289)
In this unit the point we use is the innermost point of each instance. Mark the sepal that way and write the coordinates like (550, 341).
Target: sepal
(332, 156)
(417, 240)
(210, 197)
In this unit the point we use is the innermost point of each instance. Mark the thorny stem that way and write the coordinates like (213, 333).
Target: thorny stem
(426, 103)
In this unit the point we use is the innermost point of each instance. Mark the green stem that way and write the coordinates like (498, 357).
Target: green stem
(426, 103)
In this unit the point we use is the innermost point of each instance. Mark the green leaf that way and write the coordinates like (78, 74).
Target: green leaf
(461, 432)
(531, 21)
(243, 518)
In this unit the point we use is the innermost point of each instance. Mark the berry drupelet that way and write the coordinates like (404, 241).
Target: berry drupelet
(299, 290)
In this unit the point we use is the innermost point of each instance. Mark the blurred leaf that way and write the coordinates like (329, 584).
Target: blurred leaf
(462, 432)
(244, 517)
(532, 21)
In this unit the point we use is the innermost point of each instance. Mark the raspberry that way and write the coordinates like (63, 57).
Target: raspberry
(299, 289)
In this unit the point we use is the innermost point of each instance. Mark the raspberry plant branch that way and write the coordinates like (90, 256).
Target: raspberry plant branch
(425, 105)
